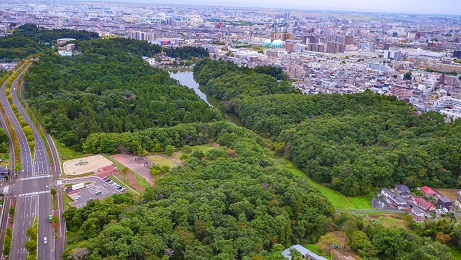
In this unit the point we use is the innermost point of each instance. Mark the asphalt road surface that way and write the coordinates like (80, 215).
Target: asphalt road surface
(32, 188)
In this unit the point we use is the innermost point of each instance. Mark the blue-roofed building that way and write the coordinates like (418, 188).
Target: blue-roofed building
(277, 44)
(267, 43)
(306, 253)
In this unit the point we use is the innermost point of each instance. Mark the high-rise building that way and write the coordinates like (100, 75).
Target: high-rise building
(310, 39)
(335, 47)
(386, 46)
(142, 36)
(289, 46)
(331, 48)
(349, 40)
(393, 53)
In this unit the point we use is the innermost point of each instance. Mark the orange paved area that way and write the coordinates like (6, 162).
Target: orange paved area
(129, 161)
(133, 181)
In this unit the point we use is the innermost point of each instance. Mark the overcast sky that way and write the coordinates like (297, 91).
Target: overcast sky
(400, 6)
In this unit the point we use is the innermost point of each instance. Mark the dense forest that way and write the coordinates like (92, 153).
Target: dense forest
(108, 47)
(29, 39)
(108, 90)
(352, 143)
(232, 202)
(186, 52)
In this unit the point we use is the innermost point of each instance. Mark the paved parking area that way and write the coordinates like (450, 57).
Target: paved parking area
(98, 189)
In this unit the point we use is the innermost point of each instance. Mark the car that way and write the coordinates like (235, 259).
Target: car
(45, 240)
(123, 189)
(111, 182)
(98, 192)
(119, 187)
(107, 180)
(78, 197)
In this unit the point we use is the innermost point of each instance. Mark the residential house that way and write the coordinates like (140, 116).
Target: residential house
(306, 253)
(387, 193)
(3, 173)
(403, 190)
(417, 214)
(400, 202)
(444, 202)
(397, 201)
(428, 191)
(457, 203)
(424, 204)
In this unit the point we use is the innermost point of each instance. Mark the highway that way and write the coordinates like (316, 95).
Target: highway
(31, 189)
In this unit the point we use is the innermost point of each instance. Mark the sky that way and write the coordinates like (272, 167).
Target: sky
(452, 7)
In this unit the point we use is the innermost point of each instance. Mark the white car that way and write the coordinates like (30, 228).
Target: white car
(45, 240)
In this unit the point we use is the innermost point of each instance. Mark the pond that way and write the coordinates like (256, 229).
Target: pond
(186, 78)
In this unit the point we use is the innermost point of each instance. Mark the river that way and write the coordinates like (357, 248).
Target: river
(186, 78)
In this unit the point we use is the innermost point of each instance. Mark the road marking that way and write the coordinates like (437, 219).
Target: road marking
(33, 193)
(36, 177)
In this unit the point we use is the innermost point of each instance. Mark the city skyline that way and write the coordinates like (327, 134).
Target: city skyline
(448, 7)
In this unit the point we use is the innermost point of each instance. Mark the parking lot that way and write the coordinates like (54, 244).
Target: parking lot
(98, 189)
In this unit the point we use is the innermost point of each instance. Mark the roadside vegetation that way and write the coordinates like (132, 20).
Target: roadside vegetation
(31, 244)
(9, 78)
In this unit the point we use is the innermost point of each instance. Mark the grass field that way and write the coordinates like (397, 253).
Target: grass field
(66, 153)
(203, 147)
(337, 199)
(388, 219)
(449, 193)
(67, 200)
(162, 159)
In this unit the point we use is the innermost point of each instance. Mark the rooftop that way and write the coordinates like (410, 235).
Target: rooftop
(428, 190)
(304, 251)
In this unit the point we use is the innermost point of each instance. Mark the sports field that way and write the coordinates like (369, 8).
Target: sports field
(85, 164)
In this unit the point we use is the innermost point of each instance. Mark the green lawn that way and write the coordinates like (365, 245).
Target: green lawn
(66, 153)
(67, 200)
(162, 159)
(203, 147)
(337, 199)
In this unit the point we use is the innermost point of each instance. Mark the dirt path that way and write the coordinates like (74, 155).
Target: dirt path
(129, 161)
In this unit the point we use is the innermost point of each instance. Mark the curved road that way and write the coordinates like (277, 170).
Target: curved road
(32, 188)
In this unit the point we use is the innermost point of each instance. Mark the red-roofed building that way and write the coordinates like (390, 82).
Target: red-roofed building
(424, 204)
(428, 191)
(106, 170)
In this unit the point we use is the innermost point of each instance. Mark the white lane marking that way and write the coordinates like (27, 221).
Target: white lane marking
(33, 193)
(36, 177)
